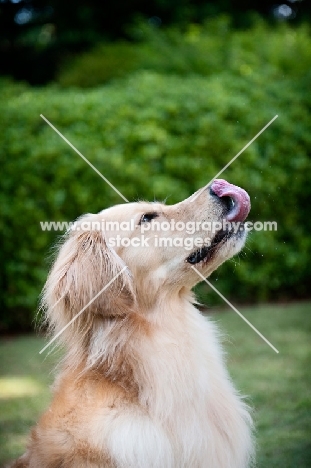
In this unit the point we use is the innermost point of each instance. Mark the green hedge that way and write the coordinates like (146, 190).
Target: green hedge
(162, 136)
(200, 50)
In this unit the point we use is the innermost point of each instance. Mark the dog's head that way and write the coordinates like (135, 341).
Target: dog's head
(155, 245)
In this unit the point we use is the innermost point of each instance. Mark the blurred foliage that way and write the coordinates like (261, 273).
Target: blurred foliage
(200, 50)
(103, 63)
(163, 135)
(36, 36)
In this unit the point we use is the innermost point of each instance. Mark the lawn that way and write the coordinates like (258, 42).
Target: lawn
(279, 385)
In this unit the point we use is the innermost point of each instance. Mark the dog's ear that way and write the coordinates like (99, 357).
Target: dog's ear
(79, 277)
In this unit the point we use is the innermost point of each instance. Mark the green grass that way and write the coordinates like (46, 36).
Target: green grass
(278, 384)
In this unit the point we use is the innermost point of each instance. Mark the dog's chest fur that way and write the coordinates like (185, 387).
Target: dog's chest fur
(187, 410)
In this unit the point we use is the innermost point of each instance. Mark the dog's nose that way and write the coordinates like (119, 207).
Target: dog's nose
(235, 198)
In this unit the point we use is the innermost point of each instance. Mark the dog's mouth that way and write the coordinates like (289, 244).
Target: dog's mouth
(236, 206)
(235, 200)
(205, 253)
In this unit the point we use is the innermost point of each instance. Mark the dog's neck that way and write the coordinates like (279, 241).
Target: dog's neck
(116, 343)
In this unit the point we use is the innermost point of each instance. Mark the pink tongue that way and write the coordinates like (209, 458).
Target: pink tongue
(242, 204)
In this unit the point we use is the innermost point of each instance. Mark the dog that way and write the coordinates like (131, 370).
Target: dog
(143, 383)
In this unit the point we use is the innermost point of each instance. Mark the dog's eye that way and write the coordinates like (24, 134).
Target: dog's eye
(147, 217)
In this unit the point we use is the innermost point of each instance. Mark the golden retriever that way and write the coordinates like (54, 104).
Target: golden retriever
(143, 383)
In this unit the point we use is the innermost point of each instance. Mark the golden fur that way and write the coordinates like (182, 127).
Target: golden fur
(143, 383)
